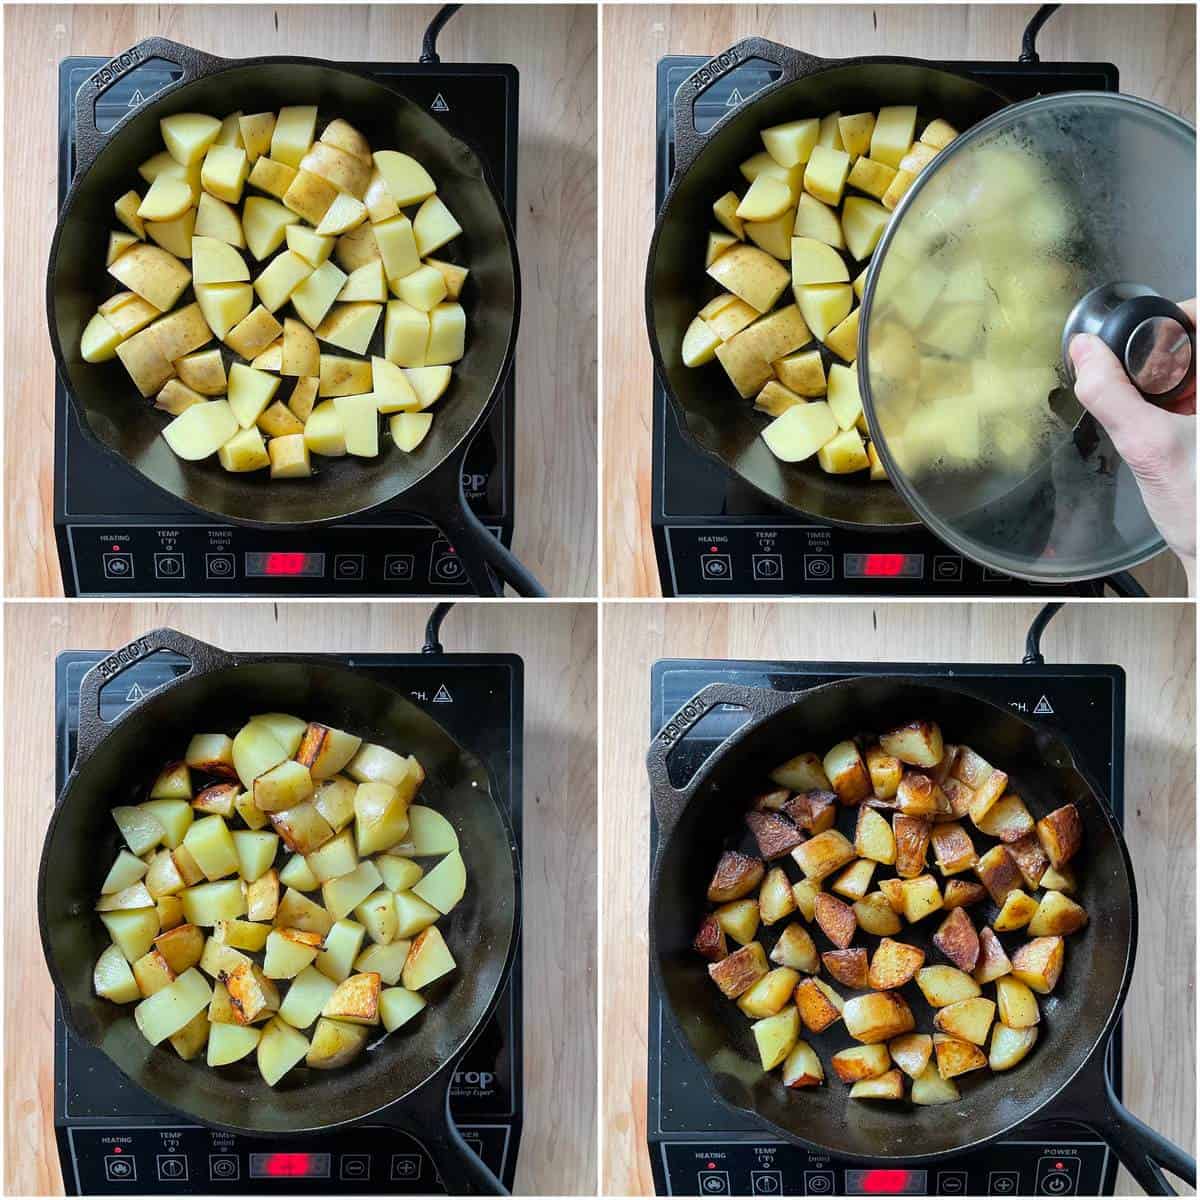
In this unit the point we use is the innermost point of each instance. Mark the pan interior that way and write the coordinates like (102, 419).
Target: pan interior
(83, 841)
(721, 423)
(1074, 1016)
(109, 405)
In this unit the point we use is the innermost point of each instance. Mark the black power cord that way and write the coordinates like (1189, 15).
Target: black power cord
(433, 629)
(1033, 639)
(429, 52)
(1029, 52)
(1121, 583)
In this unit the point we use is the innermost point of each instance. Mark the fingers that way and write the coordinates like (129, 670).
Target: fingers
(1103, 388)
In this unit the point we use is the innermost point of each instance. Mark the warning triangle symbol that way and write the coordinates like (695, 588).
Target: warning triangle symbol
(135, 694)
(136, 98)
(439, 103)
(735, 98)
(442, 696)
(1043, 708)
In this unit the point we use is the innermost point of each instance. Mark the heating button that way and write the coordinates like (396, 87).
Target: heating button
(118, 566)
(716, 566)
(714, 1183)
(120, 1168)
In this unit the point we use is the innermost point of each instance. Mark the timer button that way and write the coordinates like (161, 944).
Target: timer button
(223, 1166)
(818, 1183)
(219, 566)
(818, 566)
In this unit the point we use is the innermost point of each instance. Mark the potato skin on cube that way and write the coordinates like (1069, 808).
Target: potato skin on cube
(737, 875)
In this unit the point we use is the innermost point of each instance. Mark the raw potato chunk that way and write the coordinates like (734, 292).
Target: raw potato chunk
(280, 1049)
(824, 305)
(863, 223)
(825, 174)
(230, 1043)
(791, 144)
(158, 277)
(113, 979)
(750, 274)
(893, 133)
(877, 1017)
(169, 1010)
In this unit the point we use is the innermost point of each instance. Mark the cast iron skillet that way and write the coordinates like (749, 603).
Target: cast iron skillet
(410, 1073)
(698, 820)
(709, 413)
(113, 415)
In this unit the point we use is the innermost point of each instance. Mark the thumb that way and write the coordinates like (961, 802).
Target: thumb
(1103, 388)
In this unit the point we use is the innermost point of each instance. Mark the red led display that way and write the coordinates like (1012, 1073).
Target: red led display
(290, 563)
(884, 1182)
(883, 565)
(293, 1166)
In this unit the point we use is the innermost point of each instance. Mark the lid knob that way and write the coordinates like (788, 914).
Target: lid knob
(1153, 337)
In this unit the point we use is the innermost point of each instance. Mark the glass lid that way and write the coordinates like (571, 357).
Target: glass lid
(1013, 235)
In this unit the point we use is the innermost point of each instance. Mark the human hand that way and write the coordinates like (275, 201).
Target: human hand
(1159, 444)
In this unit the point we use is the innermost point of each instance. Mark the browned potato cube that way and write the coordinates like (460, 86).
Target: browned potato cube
(861, 1062)
(1016, 1003)
(775, 899)
(969, 1019)
(998, 873)
(802, 1068)
(823, 854)
(953, 850)
(919, 796)
(797, 950)
(919, 743)
(218, 798)
(971, 768)
(847, 773)
(770, 993)
(958, 795)
(805, 894)
(1009, 1046)
(739, 919)
(803, 773)
(1061, 833)
(1031, 860)
(993, 961)
(855, 880)
(181, 947)
(737, 875)
(1016, 912)
(961, 892)
(921, 898)
(818, 1003)
(847, 966)
(912, 843)
(1039, 963)
(885, 771)
(1060, 879)
(773, 800)
(911, 1052)
(942, 985)
(888, 1086)
(877, 1016)
(710, 942)
(740, 971)
(775, 835)
(942, 771)
(1008, 819)
(876, 915)
(893, 892)
(987, 794)
(836, 919)
(1057, 914)
(814, 812)
(957, 940)
(955, 1056)
(873, 837)
(894, 964)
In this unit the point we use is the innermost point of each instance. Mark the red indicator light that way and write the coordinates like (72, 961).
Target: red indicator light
(712, 549)
(712, 1166)
(883, 564)
(288, 1165)
(116, 549)
(285, 564)
(1060, 1166)
(883, 1182)
(117, 1150)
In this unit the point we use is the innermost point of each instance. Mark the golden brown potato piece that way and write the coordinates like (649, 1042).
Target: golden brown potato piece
(961, 892)
(873, 837)
(1031, 860)
(739, 919)
(861, 1062)
(740, 971)
(814, 812)
(1039, 963)
(888, 1086)
(805, 894)
(775, 835)
(921, 898)
(1008, 819)
(773, 800)
(919, 743)
(802, 1067)
(919, 796)
(823, 854)
(1060, 879)
(877, 1017)
(710, 942)
(1016, 912)
(942, 985)
(941, 772)
(893, 891)
(955, 1056)
(876, 915)
(1057, 914)
(803, 773)
(973, 769)
(969, 1019)
(958, 795)
(847, 773)
(1061, 834)
(953, 850)
(894, 964)
(911, 1052)
(957, 940)
(770, 993)
(993, 961)
(775, 899)
(836, 919)
(1009, 1046)
(737, 875)
(847, 966)
(797, 950)
(855, 881)
(217, 798)
(818, 1003)
(885, 771)
(987, 794)
(912, 843)
(1016, 1004)
(998, 873)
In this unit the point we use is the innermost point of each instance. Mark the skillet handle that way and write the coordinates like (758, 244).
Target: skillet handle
(199, 655)
(89, 141)
(793, 65)
(669, 801)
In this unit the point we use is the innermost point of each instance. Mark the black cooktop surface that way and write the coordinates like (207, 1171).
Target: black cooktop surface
(114, 1139)
(119, 536)
(713, 534)
(697, 1147)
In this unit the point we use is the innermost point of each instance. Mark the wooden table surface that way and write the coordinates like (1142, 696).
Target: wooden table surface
(1154, 47)
(558, 645)
(554, 49)
(1156, 646)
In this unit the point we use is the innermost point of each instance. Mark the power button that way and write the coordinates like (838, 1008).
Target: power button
(1057, 1176)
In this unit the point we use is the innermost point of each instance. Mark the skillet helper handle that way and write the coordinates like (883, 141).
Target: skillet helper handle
(793, 65)
(760, 703)
(92, 726)
(89, 141)
(462, 1171)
